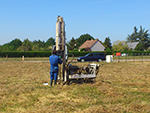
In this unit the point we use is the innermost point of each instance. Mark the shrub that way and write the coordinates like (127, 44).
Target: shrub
(26, 54)
(83, 49)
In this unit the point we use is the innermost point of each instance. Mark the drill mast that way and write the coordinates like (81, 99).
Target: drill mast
(61, 43)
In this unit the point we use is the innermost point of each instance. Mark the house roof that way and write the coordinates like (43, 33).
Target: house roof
(132, 44)
(88, 44)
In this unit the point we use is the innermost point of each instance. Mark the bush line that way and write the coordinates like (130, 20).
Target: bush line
(71, 53)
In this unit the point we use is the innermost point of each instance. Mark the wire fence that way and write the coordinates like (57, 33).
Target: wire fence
(132, 57)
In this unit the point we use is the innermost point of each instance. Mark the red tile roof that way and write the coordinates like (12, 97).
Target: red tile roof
(88, 44)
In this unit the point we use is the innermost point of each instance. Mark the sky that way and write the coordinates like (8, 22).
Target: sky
(36, 19)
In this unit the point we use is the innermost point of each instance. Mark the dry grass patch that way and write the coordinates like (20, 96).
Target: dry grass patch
(119, 87)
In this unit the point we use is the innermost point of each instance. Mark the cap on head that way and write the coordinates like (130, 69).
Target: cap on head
(54, 52)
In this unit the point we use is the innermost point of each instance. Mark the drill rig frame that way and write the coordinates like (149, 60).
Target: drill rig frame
(70, 72)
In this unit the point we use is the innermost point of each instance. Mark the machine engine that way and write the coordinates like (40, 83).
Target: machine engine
(89, 71)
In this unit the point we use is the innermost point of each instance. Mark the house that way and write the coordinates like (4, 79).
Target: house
(92, 45)
(132, 45)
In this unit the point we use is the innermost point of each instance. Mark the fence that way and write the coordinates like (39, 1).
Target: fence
(135, 56)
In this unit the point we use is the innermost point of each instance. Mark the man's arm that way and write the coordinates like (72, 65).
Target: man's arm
(59, 61)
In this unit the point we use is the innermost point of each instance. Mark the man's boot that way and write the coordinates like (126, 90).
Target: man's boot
(55, 82)
(51, 82)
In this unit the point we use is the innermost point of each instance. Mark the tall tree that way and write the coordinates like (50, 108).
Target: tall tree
(120, 46)
(26, 46)
(141, 36)
(139, 47)
(50, 42)
(15, 44)
(107, 43)
(11, 46)
(82, 39)
(6, 47)
(39, 42)
(38, 45)
(71, 45)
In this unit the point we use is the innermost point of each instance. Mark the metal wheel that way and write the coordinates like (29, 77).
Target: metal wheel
(82, 60)
(99, 60)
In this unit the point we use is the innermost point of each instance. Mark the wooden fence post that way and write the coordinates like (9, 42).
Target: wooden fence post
(23, 58)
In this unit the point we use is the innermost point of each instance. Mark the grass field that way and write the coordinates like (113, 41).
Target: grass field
(121, 87)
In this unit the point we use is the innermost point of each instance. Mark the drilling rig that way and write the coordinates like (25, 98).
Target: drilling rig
(70, 72)
(60, 47)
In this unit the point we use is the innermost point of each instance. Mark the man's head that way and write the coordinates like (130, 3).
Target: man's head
(54, 52)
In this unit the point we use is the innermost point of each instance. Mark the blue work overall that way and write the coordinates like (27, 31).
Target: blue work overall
(54, 61)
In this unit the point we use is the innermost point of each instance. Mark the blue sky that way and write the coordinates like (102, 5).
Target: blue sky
(36, 19)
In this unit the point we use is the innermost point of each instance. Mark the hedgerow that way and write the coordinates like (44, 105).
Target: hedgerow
(70, 53)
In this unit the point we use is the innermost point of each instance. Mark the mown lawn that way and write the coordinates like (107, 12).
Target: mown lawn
(119, 87)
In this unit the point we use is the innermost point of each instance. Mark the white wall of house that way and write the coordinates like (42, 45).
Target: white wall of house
(97, 47)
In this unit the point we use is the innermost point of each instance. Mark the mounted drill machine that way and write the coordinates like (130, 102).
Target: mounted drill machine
(70, 72)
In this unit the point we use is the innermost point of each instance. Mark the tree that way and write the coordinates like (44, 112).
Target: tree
(107, 43)
(35, 47)
(120, 46)
(140, 36)
(82, 39)
(12, 46)
(0, 48)
(26, 46)
(39, 42)
(15, 44)
(139, 47)
(38, 45)
(6, 47)
(71, 45)
(50, 42)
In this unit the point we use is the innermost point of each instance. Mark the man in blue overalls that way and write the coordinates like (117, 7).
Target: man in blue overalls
(54, 61)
